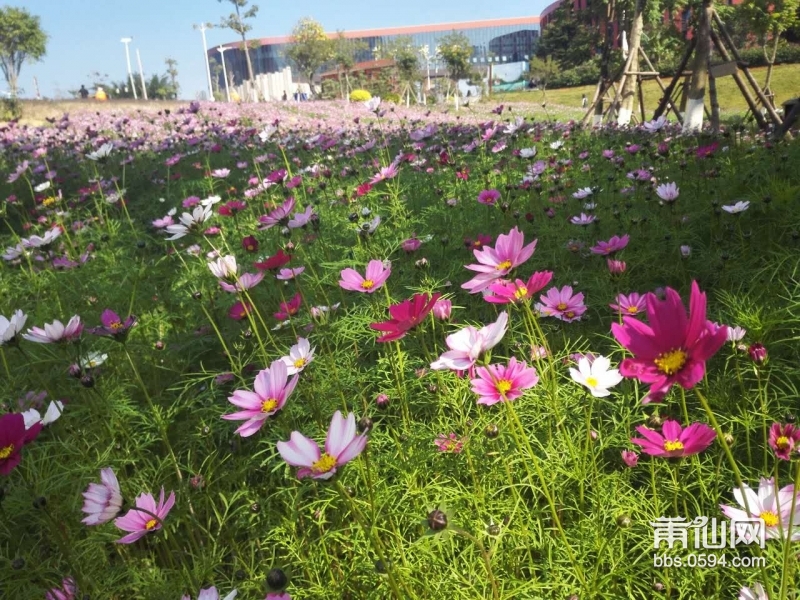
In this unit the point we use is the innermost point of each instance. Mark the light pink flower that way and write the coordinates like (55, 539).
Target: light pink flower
(56, 332)
(287, 274)
(631, 305)
(272, 388)
(146, 517)
(505, 292)
(562, 304)
(500, 383)
(615, 244)
(341, 446)
(583, 219)
(467, 344)
(376, 276)
(300, 355)
(301, 219)
(769, 503)
(442, 309)
(245, 281)
(631, 459)
(449, 443)
(495, 263)
(278, 216)
(103, 501)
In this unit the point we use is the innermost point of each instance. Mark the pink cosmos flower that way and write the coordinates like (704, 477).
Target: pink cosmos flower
(290, 308)
(67, 591)
(488, 197)
(301, 219)
(583, 219)
(582, 193)
(449, 443)
(467, 344)
(668, 192)
(615, 244)
(278, 216)
(442, 309)
(211, 594)
(300, 355)
(500, 383)
(240, 310)
(146, 517)
(674, 441)
(163, 222)
(245, 281)
(616, 267)
(562, 304)
(631, 459)
(114, 326)
(103, 501)
(770, 504)
(495, 263)
(13, 436)
(783, 439)
(272, 388)
(505, 292)
(341, 446)
(375, 276)
(405, 316)
(631, 305)
(674, 348)
(56, 332)
(287, 274)
(385, 173)
(412, 244)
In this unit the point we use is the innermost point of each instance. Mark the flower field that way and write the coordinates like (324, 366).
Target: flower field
(358, 351)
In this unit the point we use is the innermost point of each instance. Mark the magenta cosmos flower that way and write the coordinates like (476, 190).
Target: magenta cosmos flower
(375, 276)
(467, 344)
(674, 441)
(211, 594)
(769, 503)
(55, 332)
(505, 292)
(615, 244)
(280, 215)
(488, 197)
(562, 304)
(783, 439)
(290, 308)
(13, 436)
(341, 446)
(272, 388)
(113, 325)
(102, 501)
(631, 305)
(495, 263)
(674, 348)
(501, 383)
(405, 316)
(146, 517)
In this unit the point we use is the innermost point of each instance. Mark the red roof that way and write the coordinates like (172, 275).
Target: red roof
(406, 30)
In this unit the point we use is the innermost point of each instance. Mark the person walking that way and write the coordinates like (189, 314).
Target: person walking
(83, 92)
(584, 101)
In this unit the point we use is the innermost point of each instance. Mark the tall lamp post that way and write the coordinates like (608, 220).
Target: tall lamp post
(141, 74)
(202, 27)
(126, 41)
(221, 50)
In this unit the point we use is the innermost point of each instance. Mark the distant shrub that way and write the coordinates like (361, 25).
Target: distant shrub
(11, 108)
(392, 97)
(360, 96)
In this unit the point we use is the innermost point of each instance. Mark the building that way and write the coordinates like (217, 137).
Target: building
(493, 41)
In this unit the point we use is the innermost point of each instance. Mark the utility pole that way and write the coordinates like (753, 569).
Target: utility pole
(221, 50)
(141, 74)
(126, 41)
(202, 27)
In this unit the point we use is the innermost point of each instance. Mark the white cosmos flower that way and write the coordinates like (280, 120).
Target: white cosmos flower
(42, 187)
(36, 241)
(300, 355)
(210, 201)
(597, 376)
(102, 152)
(13, 252)
(93, 360)
(188, 222)
(53, 412)
(467, 344)
(757, 592)
(224, 267)
(668, 191)
(267, 133)
(373, 103)
(583, 193)
(527, 152)
(656, 125)
(10, 328)
(740, 206)
(556, 145)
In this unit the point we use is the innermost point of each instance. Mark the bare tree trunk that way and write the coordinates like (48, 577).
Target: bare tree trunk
(604, 64)
(693, 117)
(628, 92)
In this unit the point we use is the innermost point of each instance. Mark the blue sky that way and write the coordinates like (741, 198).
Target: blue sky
(85, 34)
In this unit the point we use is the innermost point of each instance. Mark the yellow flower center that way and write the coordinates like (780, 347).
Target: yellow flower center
(150, 524)
(521, 292)
(591, 382)
(561, 306)
(367, 284)
(325, 463)
(49, 201)
(116, 326)
(673, 445)
(269, 405)
(770, 518)
(633, 310)
(6, 452)
(569, 314)
(504, 266)
(504, 386)
(250, 247)
(671, 362)
(782, 442)
(300, 363)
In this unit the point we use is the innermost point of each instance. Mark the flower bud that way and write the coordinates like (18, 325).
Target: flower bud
(437, 520)
(276, 579)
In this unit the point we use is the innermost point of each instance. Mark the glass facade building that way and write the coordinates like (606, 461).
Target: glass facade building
(493, 41)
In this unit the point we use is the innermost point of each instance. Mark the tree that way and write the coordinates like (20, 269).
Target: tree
(159, 87)
(571, 39)
(544, 70)
(21, 40)
(172, 72)
(344, 56)
(456, 50)
(309, 47)
(235, 22)
(406, 63)
(216, 72)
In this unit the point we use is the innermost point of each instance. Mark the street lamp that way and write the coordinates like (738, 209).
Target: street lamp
(202, 27)
(126, 41)
(141, 74)
(221, 50)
